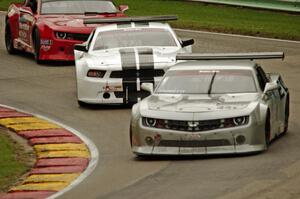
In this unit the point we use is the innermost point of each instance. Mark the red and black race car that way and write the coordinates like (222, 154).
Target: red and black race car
(50, 28)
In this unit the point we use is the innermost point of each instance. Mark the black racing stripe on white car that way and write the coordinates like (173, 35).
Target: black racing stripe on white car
(146, 58)
(132, 71)
(128, 62)
(140, 94)
(128, 59)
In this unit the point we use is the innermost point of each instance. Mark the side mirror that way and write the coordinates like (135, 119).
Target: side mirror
(271, 86)
(81, 47)
(147, 87)
(189, 42)
(123, 8)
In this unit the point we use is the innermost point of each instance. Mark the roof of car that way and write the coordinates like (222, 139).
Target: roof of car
(161, 25)
(213, 64)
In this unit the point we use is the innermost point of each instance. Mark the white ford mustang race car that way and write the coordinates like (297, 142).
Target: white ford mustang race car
(118, 58)
(211, 107)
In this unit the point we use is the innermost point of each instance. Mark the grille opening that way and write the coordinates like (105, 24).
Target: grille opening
(194, 143)
(133, 73)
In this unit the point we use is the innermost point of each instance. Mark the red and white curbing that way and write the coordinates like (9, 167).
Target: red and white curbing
(64, 156)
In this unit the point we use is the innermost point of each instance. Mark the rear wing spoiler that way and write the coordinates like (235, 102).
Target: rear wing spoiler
(143, 19)
(231, 56)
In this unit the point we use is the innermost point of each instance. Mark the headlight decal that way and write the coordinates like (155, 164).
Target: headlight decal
(71, 36)
(61, 35)
(96, 73)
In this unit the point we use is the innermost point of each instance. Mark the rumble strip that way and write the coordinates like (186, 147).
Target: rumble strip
(61, 155)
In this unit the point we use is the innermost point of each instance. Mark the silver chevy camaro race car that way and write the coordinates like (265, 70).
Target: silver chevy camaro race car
(215, 105)
(118, 58)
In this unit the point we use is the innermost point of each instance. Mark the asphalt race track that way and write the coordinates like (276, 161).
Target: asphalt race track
(50, 91)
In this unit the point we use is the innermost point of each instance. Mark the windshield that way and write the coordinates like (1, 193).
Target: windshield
(133, 37)
(77, 7)
(207, 82)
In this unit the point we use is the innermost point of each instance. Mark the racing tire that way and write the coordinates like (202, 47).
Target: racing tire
(83, 104)
(142, 156)
(37, 46)
(287, 115)
(9, 40)
(130, 135)
(268, 130)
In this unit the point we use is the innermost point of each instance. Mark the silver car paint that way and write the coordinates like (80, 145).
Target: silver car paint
(205, 107)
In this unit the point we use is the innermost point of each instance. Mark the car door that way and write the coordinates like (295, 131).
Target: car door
(283, 95)
(277, 105)
(272, 99)
(26, 21)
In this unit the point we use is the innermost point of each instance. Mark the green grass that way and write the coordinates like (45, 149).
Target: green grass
(199, 16)
(12, 162)
(286, 4)
(5, 3)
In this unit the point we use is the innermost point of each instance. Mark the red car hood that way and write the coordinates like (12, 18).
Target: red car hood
(64, 22)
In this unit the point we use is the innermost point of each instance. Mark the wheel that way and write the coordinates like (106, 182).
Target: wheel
(268, 130)
(287, 115)
(9, 40)
(37, 46)
(141, 157)
(130, 135)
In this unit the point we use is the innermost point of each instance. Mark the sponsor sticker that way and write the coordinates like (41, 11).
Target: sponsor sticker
(47, 42)
(192, 136)
(22, 34)
(24, 26)
(11, 12)
(45, 47)
(110, 88)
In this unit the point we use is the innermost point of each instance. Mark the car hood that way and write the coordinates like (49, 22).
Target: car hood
(199, 106)
(72, 21)
(113, 59)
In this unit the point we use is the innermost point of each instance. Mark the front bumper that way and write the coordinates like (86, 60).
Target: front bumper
(59, 50)
(220, 141)
(110, 90)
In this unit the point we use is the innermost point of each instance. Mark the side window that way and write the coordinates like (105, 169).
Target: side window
(33, 5)
(261, 77)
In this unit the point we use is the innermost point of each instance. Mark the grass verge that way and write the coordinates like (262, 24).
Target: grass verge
(13, 161)
(227, 19)
(5, 3)
(294, 4)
